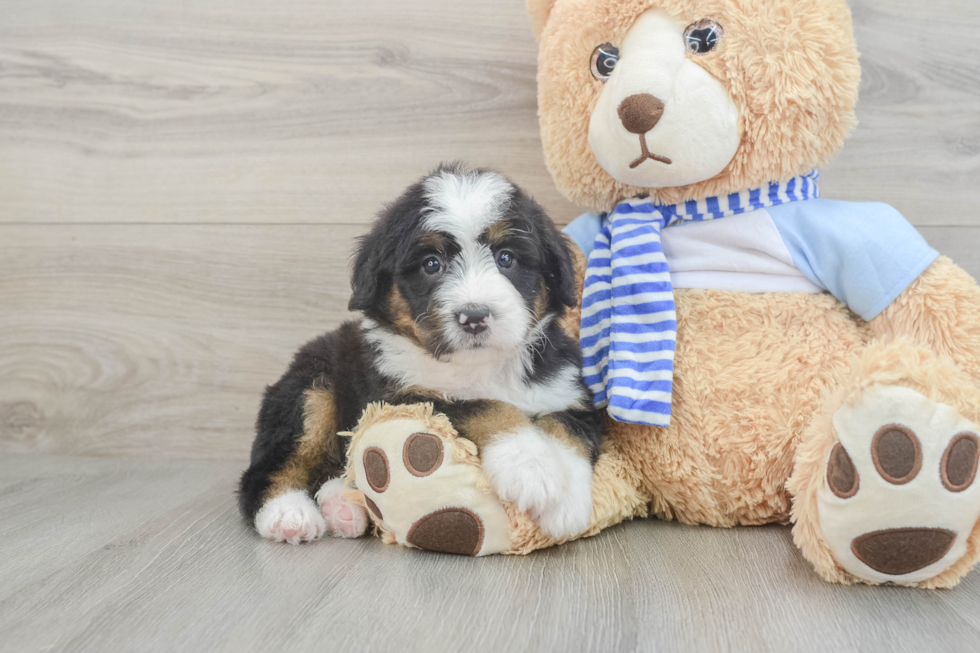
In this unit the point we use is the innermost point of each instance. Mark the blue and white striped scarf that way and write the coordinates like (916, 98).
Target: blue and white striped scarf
(629, 320)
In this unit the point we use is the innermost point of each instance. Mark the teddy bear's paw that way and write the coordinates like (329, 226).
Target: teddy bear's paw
(423, 486)
(290, 517)
(899, 502)
(343, 517)
(542, 477)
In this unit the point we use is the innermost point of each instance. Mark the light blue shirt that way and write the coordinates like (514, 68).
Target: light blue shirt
(865, 254)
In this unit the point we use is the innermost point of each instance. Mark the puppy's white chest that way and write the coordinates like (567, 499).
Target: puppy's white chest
(479, 374)
(562, 392)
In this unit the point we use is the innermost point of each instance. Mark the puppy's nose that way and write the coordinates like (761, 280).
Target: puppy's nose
(473, 319)
(641, 112)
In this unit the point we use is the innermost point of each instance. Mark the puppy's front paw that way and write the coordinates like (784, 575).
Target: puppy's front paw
(343, 518)
(543, 477)
(573, 511)
(291, 517)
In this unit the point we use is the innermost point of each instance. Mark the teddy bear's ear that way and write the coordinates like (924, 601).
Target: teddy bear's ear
(539, 10)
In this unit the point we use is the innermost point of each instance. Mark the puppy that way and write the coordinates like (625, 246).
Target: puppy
(461, 282)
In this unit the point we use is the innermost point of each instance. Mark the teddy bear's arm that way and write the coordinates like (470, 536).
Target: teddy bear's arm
(940, 309)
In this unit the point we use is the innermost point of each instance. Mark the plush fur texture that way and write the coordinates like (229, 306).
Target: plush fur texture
(758, 378)
(790, 67)
(898, 363)
(757, 383)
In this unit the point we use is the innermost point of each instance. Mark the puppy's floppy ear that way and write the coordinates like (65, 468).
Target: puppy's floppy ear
(559, 266)
(370, 272)
(539, 10)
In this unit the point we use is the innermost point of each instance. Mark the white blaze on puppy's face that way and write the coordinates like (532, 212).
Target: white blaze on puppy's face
(464, 206)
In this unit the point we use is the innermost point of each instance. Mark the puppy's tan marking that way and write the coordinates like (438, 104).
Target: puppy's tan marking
(571, 320)
(319, 441)
(541, 302)
(434, 240)
(401, 316)
(554, 428)
(498, 417)
(498, 233)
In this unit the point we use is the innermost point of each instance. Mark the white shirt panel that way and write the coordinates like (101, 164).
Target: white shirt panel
(741, 253)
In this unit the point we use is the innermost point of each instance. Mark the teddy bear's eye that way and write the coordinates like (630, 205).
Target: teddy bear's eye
(604, 59)
(703, 36)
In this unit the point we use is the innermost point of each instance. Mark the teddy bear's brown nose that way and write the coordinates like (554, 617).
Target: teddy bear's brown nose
(641, 112)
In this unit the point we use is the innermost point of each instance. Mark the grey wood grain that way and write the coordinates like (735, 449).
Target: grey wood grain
(135, 554)
(261, 112)
(312, 112)
(158, 340)
(918, 143)
(155, 339)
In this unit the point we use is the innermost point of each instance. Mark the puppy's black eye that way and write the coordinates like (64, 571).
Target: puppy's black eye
(703, 36)
(604, 59)
(505, 258)
(431, 265)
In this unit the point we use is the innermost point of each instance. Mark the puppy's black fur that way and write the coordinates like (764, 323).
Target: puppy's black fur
(395, 289)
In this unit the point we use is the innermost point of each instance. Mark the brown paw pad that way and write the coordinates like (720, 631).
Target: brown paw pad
(897, 454)
(842, 475)
(898, 551)
(422, 454)
(376, 469)
(450, 530)
(373, 507)
(959, 464)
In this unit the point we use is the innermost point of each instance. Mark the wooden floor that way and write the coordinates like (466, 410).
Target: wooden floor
(126, 554)
(180, 185)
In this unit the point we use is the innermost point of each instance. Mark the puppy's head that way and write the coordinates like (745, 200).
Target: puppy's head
(463, 260)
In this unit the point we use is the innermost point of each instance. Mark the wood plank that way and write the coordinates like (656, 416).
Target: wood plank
(917, 146)
(154, 338)
(259, 111)
(159, 339)
(136, 554)
(305, 112)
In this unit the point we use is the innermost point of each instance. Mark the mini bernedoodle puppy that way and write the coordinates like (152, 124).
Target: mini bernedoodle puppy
(462, 281)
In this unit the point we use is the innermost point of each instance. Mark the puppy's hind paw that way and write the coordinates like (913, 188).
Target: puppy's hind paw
(343, 517)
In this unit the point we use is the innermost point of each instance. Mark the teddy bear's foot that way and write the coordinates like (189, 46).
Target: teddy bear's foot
(884, 486)
(343, 517)
(900, 501)
(424, 486)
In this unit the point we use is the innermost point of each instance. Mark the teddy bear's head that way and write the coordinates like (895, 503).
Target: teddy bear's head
(684, 99)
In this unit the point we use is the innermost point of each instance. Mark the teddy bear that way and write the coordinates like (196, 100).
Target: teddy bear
(764, 355)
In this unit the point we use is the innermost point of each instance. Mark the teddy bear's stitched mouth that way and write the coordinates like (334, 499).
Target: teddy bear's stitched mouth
(646, 154)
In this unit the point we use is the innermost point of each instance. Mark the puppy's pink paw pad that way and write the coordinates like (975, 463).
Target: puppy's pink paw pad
(343, 518)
